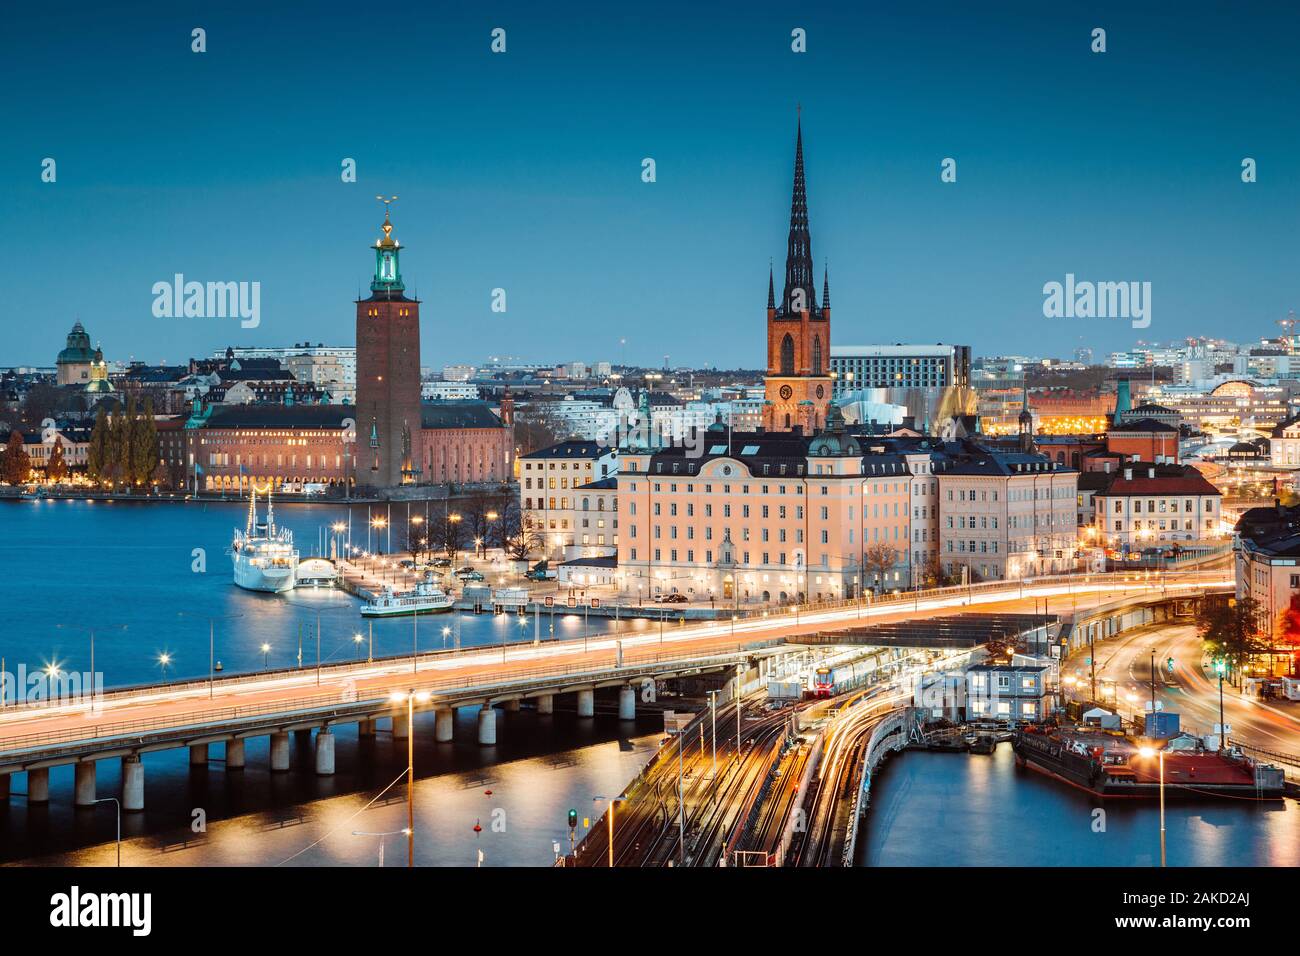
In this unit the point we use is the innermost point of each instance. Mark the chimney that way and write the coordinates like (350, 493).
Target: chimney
(1128, 474)
(1151, 472)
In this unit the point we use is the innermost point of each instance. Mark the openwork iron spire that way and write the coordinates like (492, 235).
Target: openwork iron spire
(798, 259)
(771, 288)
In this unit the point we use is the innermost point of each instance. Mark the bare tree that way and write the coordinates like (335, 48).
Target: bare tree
(878, 560)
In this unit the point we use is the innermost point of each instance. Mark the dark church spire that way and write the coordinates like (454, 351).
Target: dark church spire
(826, 287)
(771, 288)
(798, 260)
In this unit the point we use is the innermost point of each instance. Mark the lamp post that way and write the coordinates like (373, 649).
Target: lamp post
(1150, 752)
(164, 660)
(610, 828)
(1220, 666)
(410, 696)
(266, 656)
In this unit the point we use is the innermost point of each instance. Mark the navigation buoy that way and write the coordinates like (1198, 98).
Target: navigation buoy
(477, 828)
(487, 793)
(217, 666)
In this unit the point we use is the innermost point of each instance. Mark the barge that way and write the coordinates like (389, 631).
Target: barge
(1113, 765)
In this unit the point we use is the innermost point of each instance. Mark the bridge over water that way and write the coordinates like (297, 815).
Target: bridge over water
(128, 723)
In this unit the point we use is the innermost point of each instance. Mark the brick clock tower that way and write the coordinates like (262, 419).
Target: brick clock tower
(797, 388)
(388, 374)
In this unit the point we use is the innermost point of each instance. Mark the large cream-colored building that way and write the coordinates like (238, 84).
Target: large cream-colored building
(552, 487)
(779, 517)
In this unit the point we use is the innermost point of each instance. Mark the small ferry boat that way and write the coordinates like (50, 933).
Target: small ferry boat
(425, 598)
(1111, 764)
(263, 555)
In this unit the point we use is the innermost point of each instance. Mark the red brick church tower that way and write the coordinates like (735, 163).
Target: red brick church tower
(798, 384)
(388, 374)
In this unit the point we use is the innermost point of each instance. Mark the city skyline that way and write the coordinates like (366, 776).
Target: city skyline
(537, 188)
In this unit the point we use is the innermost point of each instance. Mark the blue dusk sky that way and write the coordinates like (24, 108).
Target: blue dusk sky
(522, 170)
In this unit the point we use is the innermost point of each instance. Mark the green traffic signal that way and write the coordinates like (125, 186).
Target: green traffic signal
(573, 819)
(1220, 667)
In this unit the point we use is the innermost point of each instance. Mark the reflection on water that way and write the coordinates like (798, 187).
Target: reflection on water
(540, 768)
(125, 570)
(938, 809)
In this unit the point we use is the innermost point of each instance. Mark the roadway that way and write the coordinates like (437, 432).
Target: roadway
(495, 668)
(1269, 725)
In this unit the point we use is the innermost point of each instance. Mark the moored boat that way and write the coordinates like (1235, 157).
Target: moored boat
(1113, 765)
(425, 598)
(262, 555)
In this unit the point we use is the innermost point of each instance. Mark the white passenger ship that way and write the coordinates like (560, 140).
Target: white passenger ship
(425, 598)
(263, 555)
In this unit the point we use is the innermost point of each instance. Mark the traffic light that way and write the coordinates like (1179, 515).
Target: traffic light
(573, 819)
(1220, 667)
(1170, 664)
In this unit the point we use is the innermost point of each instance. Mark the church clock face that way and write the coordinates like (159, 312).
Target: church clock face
(820, 391)
(786, 392)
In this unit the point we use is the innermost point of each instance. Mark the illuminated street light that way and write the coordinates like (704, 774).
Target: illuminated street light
(1150, 752)
(410, 696)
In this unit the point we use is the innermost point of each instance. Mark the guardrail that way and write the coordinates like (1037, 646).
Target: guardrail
(1290, 762)
(531, 678)
(888, 736)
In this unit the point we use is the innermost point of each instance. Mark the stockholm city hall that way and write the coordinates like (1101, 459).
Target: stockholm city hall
(797, 387)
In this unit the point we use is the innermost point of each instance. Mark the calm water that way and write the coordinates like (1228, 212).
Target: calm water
(540, 768)
(939, 809)
(125, 569)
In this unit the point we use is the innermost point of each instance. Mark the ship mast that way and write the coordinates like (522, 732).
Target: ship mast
(270, 515)
(252, 510)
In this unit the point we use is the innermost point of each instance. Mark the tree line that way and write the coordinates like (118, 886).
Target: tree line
(123, 446)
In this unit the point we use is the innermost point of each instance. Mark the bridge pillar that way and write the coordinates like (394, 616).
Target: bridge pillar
(444, 724)
(4, 786)
(324, 752)
(235, 753)
(487, 726)
(84, 789)
(38, 785)
(132, 783)
(586, 703)
(626, 703)
(198, 755)
(280, 751)
(401, 727)
(512, 706)
(546, 704)
(366, 727)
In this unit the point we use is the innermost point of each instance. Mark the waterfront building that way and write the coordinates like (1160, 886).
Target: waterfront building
(1011, 693)
(552, 484)
(1147, 504)
(387, 439)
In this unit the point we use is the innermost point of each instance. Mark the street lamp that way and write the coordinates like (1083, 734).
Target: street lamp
(1150, 752)
(164, 659)
(266, 652)
(357, 639)
(410, 696)
(610, 828)
(1220, 667)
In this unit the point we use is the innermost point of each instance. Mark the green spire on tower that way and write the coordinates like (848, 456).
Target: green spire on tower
(388, 272)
